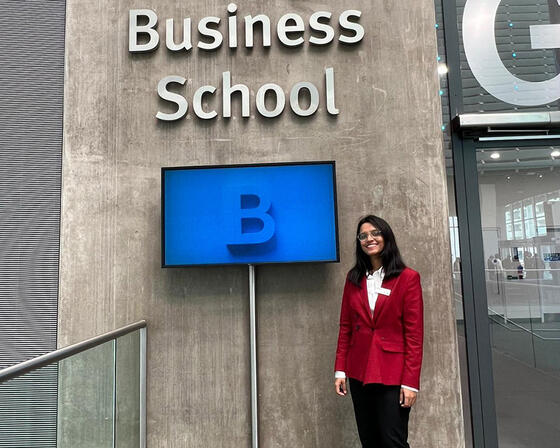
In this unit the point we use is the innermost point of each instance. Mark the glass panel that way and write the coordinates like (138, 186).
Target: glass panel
(517, 211)
(508, 55)
(523, 291)
(541, 226)
(509, 231)
(95, 408)
(453, 224)
(539, 207)
(458, 301)
(530, 230)
(128, 391)
(527, 209)
(85, 399)
(518, 228)
(28, 410)
(508, 213)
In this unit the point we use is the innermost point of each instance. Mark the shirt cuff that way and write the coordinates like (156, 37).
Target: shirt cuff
(341, 374)
(410, 388)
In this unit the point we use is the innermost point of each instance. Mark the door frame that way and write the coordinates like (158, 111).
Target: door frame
(466, 131)
(475, 304)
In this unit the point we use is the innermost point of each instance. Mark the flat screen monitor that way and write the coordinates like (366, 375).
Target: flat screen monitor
(249, 214)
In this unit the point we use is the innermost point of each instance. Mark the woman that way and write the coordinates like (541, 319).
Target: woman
(380, 339)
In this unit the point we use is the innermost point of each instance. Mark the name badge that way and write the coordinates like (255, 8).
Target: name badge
(384, 291)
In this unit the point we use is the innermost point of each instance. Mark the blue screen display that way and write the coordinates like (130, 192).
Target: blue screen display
(249, 214)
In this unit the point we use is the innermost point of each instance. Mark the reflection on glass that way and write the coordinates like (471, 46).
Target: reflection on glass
(518, 192)
(541, 226)
(503, 66)
(539, 208)
(458, 302)
(527, 209)
(517, 211)
(518, 228)
(98, 403)
(28, 409)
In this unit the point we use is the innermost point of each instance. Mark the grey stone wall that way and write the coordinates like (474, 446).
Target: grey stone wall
(387, 145)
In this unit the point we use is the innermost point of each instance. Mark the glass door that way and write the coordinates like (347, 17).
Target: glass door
(518, 184)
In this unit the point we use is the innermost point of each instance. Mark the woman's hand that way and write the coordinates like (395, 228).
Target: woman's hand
(408, 398)
(340, 386)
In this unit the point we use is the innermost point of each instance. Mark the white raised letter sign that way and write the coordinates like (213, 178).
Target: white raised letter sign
(479, 40)
(134, 29)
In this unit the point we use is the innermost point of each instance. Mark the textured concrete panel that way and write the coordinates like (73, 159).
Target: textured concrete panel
(387, 145)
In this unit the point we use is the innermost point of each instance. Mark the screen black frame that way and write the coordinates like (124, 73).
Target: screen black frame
(248, 165)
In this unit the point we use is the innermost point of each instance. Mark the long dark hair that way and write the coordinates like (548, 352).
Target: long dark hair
(391, 259)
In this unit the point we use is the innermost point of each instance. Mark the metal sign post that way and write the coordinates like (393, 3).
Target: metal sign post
(253, 336)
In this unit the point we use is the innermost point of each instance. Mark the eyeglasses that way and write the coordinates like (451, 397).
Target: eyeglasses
(374, 234)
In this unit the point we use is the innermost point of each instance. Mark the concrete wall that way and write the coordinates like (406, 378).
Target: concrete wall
(387, 145)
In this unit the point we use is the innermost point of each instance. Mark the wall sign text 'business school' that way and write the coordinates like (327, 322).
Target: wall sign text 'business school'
(289, 31)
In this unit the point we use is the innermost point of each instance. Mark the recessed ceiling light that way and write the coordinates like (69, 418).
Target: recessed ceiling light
(495, 155)
(555, 153)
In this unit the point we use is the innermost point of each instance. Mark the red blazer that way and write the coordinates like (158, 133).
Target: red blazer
(384, 348)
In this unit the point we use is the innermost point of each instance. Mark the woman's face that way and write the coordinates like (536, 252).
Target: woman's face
(373, 243)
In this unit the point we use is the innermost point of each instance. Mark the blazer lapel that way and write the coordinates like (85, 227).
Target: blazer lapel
(364, 301)
(382, 299)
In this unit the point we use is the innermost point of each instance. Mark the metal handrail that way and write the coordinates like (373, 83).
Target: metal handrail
(515, 324)
(65, 352)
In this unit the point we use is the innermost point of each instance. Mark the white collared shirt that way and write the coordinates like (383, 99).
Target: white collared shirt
(373, 282)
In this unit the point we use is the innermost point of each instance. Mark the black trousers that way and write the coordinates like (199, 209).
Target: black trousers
(382, 422)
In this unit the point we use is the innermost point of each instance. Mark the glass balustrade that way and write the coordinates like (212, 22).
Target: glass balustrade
(524, 316)
(520, 215)
(99, 395)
